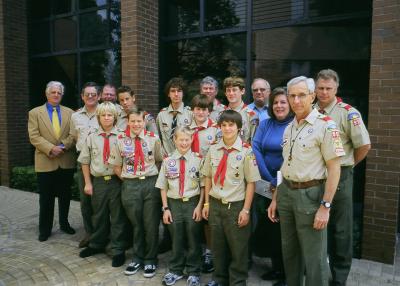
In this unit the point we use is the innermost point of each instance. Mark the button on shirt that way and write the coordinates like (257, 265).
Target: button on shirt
(169, 175)
(353, 132)
(83, 124)
(241, 168)
(123, 154)
(313, 142)
(92, 153)
(262, 113)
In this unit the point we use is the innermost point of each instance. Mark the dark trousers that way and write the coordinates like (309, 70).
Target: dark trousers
(51, 185)
(86, 203)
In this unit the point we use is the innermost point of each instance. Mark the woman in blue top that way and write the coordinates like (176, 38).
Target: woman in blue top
(267, 147)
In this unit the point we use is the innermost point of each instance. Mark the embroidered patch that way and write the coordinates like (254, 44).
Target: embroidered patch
(353, 115)
(127, 141)
(335, 134)
(193, 169)
(209, 137)
(144, 144)
(171, 163)
(239, 157)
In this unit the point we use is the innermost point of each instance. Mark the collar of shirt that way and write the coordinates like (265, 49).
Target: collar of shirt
(237, 145)
(141, 135)
(113, 131)
(206, 124)
(179, 110)
(50, 111)
(239, 108)
(311, 118)
(84, 110)
(176, 155)
(256, 108)
(329, 108)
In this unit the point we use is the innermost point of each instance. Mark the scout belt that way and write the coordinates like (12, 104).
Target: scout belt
(303, 185)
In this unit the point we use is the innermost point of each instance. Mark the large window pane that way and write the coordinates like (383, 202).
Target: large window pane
(325, 8)
(181, 16)
(83, 4)
(39, 38)
(221, 14)
(39, 9)
(270, 11)
(93, 29)
(63, 6)
(65, 34)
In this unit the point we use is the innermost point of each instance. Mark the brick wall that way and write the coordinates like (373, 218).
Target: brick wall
(14, 99)
(383, 164)
(139, 49)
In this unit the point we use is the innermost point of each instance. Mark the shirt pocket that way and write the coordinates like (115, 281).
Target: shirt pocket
(95, 152)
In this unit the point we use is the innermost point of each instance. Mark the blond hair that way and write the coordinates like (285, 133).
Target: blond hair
(107, 107)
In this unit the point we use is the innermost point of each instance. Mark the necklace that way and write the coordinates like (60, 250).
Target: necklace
(294, 140)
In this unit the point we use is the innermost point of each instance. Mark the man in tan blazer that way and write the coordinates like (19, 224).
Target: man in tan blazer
(55, 158)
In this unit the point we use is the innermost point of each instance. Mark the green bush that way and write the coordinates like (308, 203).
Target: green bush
(24, 178)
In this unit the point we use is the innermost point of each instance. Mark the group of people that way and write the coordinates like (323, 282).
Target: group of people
(215, 175)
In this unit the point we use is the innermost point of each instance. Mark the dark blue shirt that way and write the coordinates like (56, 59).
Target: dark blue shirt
(267, 147)
(50, 112)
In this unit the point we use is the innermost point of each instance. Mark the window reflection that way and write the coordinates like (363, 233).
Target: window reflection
(39, 9)
(39, 37)
(65, 33)
(221, 14)
(182, 16)
(93, 28)
(63, 6)
(83, 4)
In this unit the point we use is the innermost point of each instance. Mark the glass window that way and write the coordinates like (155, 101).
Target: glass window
(39, 37)
(93, 29)
(182, 16)
(63, 6)
(222, 14)
(83, 4)
(325, 8)
(39, 9)
(65, 34)
(270, 11)
(115, 23)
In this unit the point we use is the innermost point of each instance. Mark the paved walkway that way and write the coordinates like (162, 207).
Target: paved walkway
(25, 261)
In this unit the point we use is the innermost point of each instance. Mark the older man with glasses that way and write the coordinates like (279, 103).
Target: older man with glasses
(261, 90)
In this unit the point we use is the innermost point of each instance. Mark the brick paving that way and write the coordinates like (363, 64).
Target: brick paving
(26, 261)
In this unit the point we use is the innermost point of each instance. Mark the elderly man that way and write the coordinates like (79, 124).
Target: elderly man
(261, 90)
(55, 158)
(84, 122)
(311, 169)
(209, 87)
(356, 144)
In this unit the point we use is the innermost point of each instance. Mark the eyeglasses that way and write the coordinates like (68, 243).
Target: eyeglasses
(300, 96)
(259, 89)
(90, 94)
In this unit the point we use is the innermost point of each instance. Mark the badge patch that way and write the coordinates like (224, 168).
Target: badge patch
(355, 121)
(209, 137)
(331, 126)
(127, 141)
(310, 131)
(129, 169)
(335, 134)
(239, 157)
(193, 169)
(186, 121)
(144, 144)
(353, 115)
(171, 163)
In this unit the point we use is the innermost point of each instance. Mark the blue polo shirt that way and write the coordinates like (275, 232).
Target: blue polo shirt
(261, 112)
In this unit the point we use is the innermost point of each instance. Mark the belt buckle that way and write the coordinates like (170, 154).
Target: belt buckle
(185, 199)
(225, 202)
(107, 178)
(142, 177)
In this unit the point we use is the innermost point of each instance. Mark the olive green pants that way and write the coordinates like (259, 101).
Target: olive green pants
(303, 247)
(229, 243)
(85, 202)
(186, 237)
(142, 204)
(340, 229)
(108, 214)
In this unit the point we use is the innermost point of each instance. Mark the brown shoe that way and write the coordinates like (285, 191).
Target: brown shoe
(85, 241)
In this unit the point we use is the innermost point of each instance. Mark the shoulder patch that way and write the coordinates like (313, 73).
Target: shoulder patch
(345, 106)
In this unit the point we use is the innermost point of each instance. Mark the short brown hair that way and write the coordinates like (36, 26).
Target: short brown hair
(201, 101)
(125, 88)
(233, 81)
(137, 111)
(328, 74)
(176, 82)
(230, 116)
(275, 92)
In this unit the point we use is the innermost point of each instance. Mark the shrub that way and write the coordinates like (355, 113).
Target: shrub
(24, 178)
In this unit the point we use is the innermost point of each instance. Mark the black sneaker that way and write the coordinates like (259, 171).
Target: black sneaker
(149, 270)
(118, 260)
(208, 265)
(132, 268)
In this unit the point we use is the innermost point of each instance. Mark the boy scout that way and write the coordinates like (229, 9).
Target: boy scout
(83, 122)
(205, 131)
(234, 91)
(230, 171)
(182, 200)
(127, 99)
(134, 158)
(176, 114)
(311, 168)
(104, 188)
(209, 87)
(356, 144)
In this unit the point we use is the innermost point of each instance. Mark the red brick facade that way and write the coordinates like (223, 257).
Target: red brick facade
(14, 94)
(139, 48)
(383, 163)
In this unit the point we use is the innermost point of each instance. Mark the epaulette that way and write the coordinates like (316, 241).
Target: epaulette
(326, 118)
(121, 135)
(164, 109)
(245, 144)
(187, 108)
(345, 106)
(145, 113)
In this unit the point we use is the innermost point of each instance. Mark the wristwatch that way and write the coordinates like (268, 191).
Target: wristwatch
(165, 209)
(326, 204)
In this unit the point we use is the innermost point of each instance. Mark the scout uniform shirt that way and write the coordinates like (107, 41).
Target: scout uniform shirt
(82, 124)
(123, 154)
(241, 169)
(92, 152)
(150, 123)
(170, 174)
(249, 121)
(308, 145)
(218, 107)
(164, 123)
(353, 132)
(207, 134)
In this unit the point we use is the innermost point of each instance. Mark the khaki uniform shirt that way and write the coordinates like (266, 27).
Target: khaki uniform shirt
(353, 132)
(249, 122)
(92, 153)
(311, 143)
(164, 124)
(123, 154)
(83, 124)
(241, 169)
(207, 136)
(169, 175)
(150, 123)
(218, 107)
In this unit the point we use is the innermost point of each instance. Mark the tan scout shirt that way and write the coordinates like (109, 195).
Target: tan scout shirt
(353, 132)
(249, 122)
(170, 173)
(150, 123)
(82, 124)
(218, 107)
(241, 169)
(311, 143)
(92, 153)
(207, 136)
(164, 124)
(123, 154)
